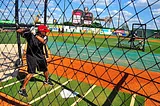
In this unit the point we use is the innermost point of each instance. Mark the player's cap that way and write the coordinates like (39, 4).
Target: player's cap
(43, 28)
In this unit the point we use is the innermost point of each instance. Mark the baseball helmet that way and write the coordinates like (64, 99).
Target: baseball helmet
(43, 28)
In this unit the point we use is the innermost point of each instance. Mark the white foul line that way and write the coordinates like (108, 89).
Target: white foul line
(10, 84)
(14, 83)
(133, 100)
(78, 100)
(49, 92)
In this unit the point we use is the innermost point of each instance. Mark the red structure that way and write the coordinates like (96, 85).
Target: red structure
(77, 17)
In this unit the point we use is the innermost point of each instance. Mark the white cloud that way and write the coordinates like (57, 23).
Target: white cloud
(99, 10)
(102, 2)
(127, 16)
(152, 25)
(114, 11)
(126, 13)
(55, 9)
(26, 9)
(91, 2)
(3, 10)
(135, 20)
(6, 14)
(158, 22)
(156, 11)
(144, 3)
(51, 4)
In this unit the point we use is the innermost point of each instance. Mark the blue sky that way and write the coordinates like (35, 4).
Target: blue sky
(100, 8)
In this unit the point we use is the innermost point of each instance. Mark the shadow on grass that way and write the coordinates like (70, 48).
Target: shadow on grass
(22, 75)
(11, 101)
(78, 95)
(115, 91)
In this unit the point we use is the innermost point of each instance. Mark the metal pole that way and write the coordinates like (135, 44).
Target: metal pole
(63, 16)
(64, 11)
(18, 36)
(45, 22)
(119, 13)
(45, 11)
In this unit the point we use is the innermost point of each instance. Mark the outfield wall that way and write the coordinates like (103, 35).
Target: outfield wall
(81, 29)
(103, 31)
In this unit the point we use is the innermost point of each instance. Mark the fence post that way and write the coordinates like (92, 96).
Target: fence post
(18, 61)
(45, 22)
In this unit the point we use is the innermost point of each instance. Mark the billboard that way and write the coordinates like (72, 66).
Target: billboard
(121, 32)
(6, 22)
(88, 18)
(77, 17)
(106, 31)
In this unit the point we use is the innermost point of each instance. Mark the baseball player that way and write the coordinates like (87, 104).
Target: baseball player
(132, 39)
(35, 55)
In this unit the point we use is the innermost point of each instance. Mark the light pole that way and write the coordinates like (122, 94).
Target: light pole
(119, 13)
(19, 60)
(45, 22)
(64, 11)
(63, 16)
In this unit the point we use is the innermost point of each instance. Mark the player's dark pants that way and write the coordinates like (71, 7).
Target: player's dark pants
(33, 62)
(132, 45)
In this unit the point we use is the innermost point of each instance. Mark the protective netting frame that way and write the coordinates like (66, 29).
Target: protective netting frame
(138, 38)
(84, 55)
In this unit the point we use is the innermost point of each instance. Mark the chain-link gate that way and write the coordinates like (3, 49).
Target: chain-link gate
(98, 52)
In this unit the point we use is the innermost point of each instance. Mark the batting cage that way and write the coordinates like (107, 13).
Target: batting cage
(135, 39)
(79, 52)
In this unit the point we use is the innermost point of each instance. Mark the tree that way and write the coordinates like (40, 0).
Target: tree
(125, 27)
(68, 23)
(96, 25)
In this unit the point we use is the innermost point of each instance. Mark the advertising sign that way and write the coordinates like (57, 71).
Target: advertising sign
(106, 31)
(77, 17)
(119, 31)
(7, 22)
(88, 18)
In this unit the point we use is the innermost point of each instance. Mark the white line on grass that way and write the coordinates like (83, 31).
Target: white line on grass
(49, 92)
(15, 82)
(78, 100)
(133, 100)
(9, 84)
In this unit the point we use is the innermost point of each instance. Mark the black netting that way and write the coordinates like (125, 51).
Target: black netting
(98, 52)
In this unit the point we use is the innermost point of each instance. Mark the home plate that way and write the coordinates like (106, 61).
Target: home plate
(68, 94)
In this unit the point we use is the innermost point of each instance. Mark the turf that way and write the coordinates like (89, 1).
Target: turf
(35, 88)
(104, 51)
(101, 96)
(9, 38)
(103, 42)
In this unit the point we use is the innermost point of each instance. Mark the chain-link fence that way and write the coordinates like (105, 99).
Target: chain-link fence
(98, 53)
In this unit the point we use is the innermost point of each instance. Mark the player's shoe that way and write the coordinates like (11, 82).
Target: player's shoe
(23, 92)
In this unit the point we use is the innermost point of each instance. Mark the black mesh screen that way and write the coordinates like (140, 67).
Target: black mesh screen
(99, 52)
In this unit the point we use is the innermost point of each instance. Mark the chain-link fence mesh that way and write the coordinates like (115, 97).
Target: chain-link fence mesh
(99, 52)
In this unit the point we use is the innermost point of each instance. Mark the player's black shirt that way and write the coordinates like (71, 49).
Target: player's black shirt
(34, 46)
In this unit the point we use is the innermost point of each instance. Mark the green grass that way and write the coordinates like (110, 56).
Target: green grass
(101, 42)
(35, 88)
(57, 100)
(89, 41)
(121, 99)
(9, 38)
(98, 96)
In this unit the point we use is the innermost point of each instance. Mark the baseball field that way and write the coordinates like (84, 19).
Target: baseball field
(92, 69)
